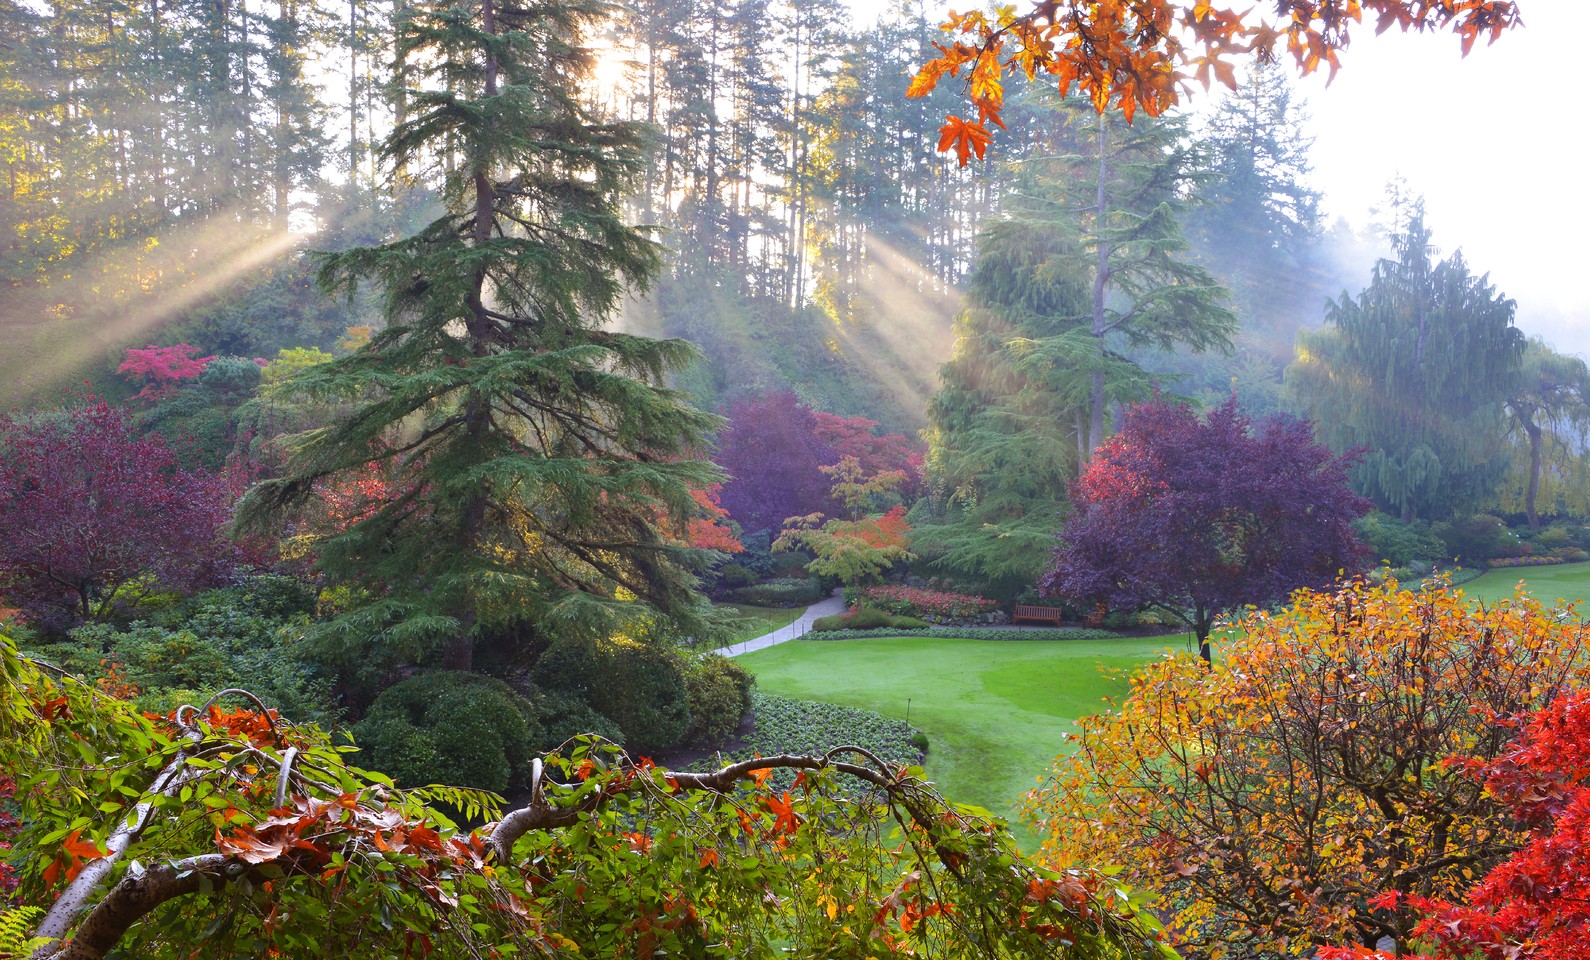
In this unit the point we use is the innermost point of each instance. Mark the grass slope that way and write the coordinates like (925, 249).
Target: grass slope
(995, 713)
(1566, 581)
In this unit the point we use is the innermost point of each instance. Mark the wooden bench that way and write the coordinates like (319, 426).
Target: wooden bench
(1038, 615)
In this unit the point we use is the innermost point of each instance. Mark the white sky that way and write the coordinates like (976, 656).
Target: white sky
(1494, 142)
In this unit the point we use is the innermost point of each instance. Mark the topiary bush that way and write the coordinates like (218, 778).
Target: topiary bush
(640, 687)
(448, 726)
(720, 697)
(867, 619)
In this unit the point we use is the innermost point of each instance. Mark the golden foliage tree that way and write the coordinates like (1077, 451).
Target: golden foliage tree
(1271, 797)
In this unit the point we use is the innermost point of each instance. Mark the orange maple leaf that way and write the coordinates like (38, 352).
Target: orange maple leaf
(965, 138)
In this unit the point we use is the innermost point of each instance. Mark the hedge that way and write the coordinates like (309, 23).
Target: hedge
(783, 592)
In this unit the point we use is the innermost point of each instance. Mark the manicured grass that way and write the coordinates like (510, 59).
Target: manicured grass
(995, 714)
(1565, 581)
(756, 621)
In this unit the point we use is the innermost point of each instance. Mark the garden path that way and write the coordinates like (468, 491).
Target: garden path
(801, 626)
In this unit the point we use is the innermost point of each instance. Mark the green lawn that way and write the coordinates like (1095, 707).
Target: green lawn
(1566, 581)
(755, 621)
(995, 713)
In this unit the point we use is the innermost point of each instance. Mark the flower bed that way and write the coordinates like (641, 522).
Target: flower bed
(1527, 561)
(969, 633)
(934, 605)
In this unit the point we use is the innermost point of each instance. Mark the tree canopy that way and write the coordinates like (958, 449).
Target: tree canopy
(1536, 902)
(1275, 798)
(94, 517)
(1195, 517)
(1416, 370)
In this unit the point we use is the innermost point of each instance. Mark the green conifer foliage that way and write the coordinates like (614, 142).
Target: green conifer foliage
(1003, 430)
(536, 461)
(1416, 370)
(1122, 188)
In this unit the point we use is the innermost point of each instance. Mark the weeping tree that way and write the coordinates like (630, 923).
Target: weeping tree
(1548, 432)
(534, 464)
(1416, 370)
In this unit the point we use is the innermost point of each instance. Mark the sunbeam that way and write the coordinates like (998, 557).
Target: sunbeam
(180, 272)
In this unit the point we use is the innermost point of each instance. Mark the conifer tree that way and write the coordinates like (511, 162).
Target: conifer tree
(1258, 220)
(1416, 369)
(1122, 189)
(536, 461)
(1005, 433)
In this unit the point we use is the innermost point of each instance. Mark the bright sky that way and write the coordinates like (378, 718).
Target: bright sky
(1492, 141)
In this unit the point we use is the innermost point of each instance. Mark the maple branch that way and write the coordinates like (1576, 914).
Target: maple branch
(167, 783)
(141, 891)
(539, 814)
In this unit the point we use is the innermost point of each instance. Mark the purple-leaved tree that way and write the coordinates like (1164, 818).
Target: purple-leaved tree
(772, 453)
(1197, 517)
(92, 514)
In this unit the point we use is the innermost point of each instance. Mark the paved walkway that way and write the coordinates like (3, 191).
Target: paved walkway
(801, 626)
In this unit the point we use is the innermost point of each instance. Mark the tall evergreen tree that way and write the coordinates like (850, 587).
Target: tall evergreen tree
(1416, 369)
(537, 463)
(1257, 220)
(1003, 430)
(1122, 188)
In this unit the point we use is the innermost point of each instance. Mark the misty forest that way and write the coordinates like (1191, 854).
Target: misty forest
(751, 479)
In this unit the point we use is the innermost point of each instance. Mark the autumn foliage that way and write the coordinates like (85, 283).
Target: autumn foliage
(161, 369)
(1276, 798)
(1536, 903)
(229, 831)
(708, 529)
(1198, 516)
(1145, 54)
(774, 458)
(92, 514)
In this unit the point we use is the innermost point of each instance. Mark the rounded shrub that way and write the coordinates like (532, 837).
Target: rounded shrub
(640, 687)
(734, 575)
(867, 618)
(564, 717)
(720, 697)
(451, 727)
(833, 622)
